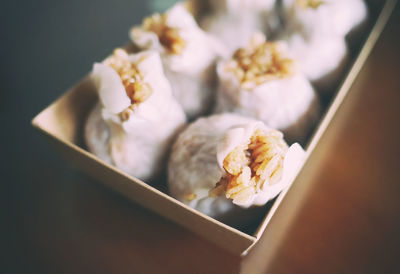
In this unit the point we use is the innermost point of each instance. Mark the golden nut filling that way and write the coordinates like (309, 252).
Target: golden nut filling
(260, 62)
(190, 197)
(132, 79)
(313, 4)
(252, 165)
(169, 37)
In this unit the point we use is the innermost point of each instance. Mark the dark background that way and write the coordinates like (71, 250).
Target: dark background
(54, 219)
(46, 47)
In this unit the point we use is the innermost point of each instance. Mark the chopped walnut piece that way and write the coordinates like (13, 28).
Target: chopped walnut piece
(126, 114)
(219, 189)
(132, 79)
(169, 37)
(141, 91)
(313, 4)
(248, 167)
(190, 197)
(233, 163)
(260, 62)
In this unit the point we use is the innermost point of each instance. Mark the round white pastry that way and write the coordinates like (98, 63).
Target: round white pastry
(324, 17)
(235, 21)
(262, 81)
(188, 55)
(315, 31)
(225, 162)
(321, 60)
(133, 132)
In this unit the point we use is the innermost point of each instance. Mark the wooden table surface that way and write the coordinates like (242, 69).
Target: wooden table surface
(57, 220)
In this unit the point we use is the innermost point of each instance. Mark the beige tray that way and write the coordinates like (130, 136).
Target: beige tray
(62, 122)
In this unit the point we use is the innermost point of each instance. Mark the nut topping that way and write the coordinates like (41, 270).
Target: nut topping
(169, 37)
(250, 166)
(132, 79)
(260, 62)
(313, 4)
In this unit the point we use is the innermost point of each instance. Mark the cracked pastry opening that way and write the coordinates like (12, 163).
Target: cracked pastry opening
(169, 37)
(312, 4)
(252, 166)
(132, 78)
(260, 62)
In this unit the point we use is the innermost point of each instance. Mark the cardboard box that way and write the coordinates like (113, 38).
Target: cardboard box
(63, 121)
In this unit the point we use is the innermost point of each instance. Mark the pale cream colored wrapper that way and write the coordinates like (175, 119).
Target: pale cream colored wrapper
(329, 18)
(321, 60)
(235, 21)
(196, 164)
(191, 71)
(288, 104)
(138, 145)
(316, 37)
